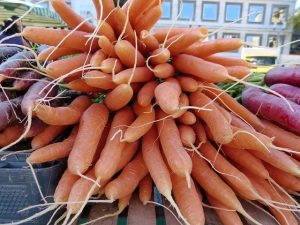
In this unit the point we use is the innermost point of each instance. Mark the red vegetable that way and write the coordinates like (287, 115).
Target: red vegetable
(285, 75)
(292, 93)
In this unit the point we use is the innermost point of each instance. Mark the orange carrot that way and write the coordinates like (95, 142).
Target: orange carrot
(183, 102)
(227, 101)
(149, 41)
(120, 25)
(91, 126)
(238, 71)
(80, 85)
(224, 112)
(76, 40)
(227, 216)
(107, 10)
(159, 56)
(207, 48)
(128, 180)
(53, 151)
(188, 201)
(149, 19)
(10, 134)
(136, 8)
(140, 74)
(252, 164)
(123, 49)
(99, 79)
(188, 84)
(111, 154)
(177, 158)
(187, 135)
(97, 7)
(62, 67)
(106, 46)
(145, 189)
(70, 17)
(188, 118)
(141, 125)
(164, 70)
(47, 136)
(118, 97)
(127, 154)
(111, 65)
(200, 132)
(51, 53)
(217, 123)
(97, 58)
(146, 94)
(105, 29)
(228, 61)
(65, 115)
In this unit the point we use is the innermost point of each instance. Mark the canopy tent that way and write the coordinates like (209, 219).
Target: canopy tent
(38, 16)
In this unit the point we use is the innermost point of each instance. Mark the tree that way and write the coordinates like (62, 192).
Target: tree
(295, 21)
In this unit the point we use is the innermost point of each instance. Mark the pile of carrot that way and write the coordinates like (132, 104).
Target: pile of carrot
(159, 119)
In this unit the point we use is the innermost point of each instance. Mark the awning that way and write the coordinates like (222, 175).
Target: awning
(38, 16)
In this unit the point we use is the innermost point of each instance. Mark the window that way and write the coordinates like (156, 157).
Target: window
(211, 37)
(231, 35)
(187, 10)
(210, 11)
(256, 13)
(166, 10)
(279, 14)
(233, 12)
(275, 40)
(253, 39)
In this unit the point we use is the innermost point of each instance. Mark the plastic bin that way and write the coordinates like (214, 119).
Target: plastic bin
(19, 190)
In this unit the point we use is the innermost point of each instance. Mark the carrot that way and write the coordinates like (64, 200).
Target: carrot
(80, 85)
(279, 160)
(111, 154)
(120, 25)
(97, 7)
(224, 112)
(111, 65)
(217, 123)
(238, 71)
(64, 186)
(164, 70)
(65, 115)
(91, 126)
(145, 189)
(183, 102)
(53, 53)
(284, 179)
(98, 58)
(282, 138)
(149, 41)
(62, 67)
(167, 96)
(10, 111)
(237, 180)
(187, 135)
(139, 74)
(11, 134)
(252, 164)
(228, 61)
(53, 151)
(105, 29)
(99, 79)
(141, 125)
(188, 201)
(180, 42)
(25, 80)
(207, 48)
(230, 103)
(188, 84)
(127, 154)
(149, 19)
(47, 136)
(177, 158)
(200, 68)
(76, 40)
(36, 127)
(124, 48)
(200, 132)
(146, 94)
(128, 180)
(106, 46)
(159, 56)
(107, 10)
(188, 118)
(136, 8)
(118, 97)
(227, 216)
(70, 17)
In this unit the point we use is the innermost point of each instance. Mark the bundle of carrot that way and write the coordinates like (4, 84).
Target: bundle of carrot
(160, 120)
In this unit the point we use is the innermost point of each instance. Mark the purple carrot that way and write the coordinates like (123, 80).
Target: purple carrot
(283, 75)
(37, 127)
(10, 111)
(6, 52)
(290, 92)
(4, 96)
(26, 80)
(273, 108)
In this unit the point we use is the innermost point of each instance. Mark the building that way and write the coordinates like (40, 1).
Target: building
(259, 22)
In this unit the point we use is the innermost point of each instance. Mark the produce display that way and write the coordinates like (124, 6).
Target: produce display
(139, 106)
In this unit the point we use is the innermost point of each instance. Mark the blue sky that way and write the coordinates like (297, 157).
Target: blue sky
(298, 4)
